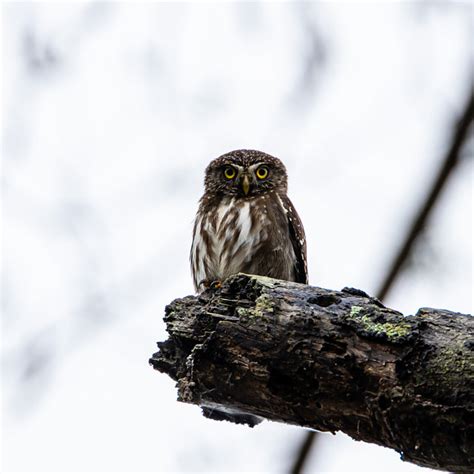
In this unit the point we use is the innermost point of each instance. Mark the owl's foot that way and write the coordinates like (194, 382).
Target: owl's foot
(211, 285)
(215, 285)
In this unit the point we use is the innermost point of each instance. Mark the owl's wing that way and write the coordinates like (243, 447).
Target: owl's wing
(298, 239)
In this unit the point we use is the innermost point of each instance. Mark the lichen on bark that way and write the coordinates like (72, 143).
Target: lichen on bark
(328, 360)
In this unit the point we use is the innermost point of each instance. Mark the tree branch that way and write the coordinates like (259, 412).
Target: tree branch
(450, 161)
(330, 361)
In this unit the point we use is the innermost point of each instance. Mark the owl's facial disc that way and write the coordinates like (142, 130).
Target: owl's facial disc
(239, 178)
(248, 179)
(246, 174)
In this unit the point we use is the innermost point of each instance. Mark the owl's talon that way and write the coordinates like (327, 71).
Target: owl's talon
(215, 285)
(210, 285)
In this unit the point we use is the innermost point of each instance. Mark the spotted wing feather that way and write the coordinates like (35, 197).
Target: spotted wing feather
(298, 240)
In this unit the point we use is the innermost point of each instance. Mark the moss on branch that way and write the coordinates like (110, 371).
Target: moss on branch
(327, 360)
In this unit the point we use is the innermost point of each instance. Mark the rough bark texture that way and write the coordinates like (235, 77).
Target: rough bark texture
(330, 361)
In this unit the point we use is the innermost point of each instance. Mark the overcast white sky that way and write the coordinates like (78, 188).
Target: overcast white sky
(110, 113)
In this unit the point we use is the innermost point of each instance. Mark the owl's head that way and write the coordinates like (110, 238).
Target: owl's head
(245, 173)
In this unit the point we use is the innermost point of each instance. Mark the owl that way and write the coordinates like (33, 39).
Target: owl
(246, 222)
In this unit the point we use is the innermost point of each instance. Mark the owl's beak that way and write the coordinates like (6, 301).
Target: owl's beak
(245, 184)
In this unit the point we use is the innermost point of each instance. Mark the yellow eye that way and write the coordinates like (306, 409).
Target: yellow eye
(229, 172)
(262, 172)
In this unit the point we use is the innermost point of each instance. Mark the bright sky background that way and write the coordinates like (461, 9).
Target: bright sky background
(110, 113)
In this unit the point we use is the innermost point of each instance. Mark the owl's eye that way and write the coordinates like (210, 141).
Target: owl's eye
(229, 172)
(262, 172)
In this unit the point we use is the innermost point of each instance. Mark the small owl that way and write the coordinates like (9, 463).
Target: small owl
(246, 222)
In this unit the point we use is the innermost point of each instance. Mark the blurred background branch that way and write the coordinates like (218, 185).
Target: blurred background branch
(459, 138)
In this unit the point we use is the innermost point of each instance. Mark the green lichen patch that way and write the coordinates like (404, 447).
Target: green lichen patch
(371, 322)
(355, 310)
(263, 306)
(453, 363)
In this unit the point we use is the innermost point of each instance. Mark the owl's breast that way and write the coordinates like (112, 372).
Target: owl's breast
(227, 238)
(236, 233)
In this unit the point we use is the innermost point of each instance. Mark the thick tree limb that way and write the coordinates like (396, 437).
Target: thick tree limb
(330, 361)
(447, 166)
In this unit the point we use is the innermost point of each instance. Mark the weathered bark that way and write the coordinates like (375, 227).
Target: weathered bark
(330, 361)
